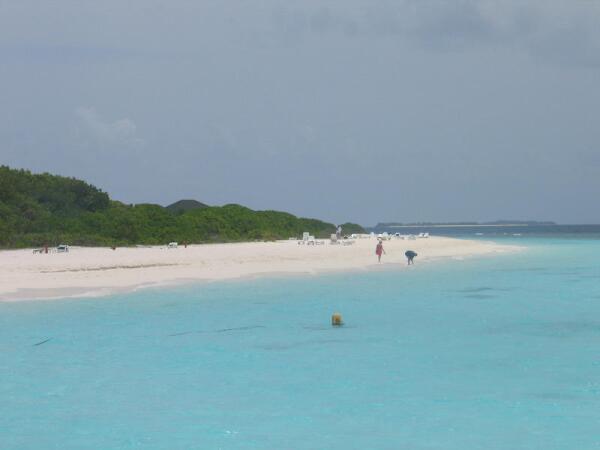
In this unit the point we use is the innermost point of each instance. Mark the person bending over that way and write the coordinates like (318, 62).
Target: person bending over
(410, 256)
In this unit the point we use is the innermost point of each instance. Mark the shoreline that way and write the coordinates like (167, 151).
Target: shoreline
(89, 272)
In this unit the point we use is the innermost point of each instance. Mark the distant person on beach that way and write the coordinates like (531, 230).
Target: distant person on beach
(379, 250)
(338, 232)
(410, 255)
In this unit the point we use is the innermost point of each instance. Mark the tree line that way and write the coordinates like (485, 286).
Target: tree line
(45, 209)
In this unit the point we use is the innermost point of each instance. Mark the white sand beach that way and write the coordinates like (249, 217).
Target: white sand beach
(87, 271)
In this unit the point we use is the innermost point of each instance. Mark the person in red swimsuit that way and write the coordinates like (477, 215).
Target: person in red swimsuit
(379, 250)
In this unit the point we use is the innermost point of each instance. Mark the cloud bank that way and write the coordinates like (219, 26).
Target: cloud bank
(564, 33)
(342, 109)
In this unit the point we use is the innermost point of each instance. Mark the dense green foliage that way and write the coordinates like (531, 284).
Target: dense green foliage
(185, 205)
(46, 209)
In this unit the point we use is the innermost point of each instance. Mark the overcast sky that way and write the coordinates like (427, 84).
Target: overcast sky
(344, 110)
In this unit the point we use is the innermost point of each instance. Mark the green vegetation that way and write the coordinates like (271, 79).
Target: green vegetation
(352, 228)
(185, 205)
(39, 209)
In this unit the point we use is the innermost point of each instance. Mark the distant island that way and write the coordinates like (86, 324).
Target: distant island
(497, 223)
(45, 209)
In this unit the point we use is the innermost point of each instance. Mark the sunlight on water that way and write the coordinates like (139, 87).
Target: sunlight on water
(495, 353)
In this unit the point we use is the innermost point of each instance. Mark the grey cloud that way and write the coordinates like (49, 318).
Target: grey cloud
(570, 46)
(452, 23)
(565, 35)
(360, 110)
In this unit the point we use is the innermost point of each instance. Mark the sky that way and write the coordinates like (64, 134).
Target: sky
(345, 110)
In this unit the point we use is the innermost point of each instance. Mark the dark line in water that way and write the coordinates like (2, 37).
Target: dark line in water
(222, 330)
(478, 289)
(253, 327)
(239, 328)
(42, 342)
(181, 334)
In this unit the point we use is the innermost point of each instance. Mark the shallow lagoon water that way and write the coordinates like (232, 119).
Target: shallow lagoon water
(485, 353)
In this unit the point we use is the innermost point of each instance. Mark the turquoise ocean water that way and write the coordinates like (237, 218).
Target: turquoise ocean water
(485, 353)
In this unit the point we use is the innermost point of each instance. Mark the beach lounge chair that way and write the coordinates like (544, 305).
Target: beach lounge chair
(172, 245)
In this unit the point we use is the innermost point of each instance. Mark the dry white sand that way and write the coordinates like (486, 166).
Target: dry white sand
(101, 271)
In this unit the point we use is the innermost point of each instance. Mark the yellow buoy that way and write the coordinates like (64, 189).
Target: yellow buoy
(336, 320)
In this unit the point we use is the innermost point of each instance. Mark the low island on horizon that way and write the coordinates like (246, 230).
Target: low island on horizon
(496, 223)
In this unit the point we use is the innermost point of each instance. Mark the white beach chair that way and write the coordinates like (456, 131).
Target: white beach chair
(305, 237)
(172, 245)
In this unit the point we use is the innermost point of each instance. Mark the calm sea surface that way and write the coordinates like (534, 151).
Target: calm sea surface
(484, 353)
